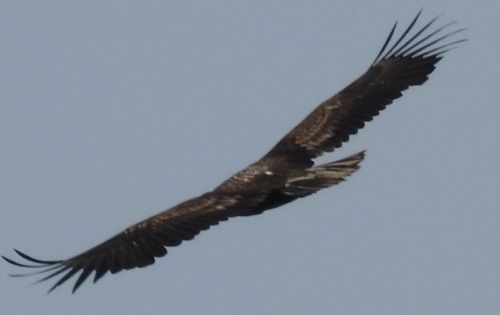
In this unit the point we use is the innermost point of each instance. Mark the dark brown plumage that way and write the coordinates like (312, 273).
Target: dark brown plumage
(285, 173)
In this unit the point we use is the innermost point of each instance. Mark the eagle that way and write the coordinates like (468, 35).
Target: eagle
(287, 172)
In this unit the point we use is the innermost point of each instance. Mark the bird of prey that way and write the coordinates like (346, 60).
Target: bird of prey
(285, 173)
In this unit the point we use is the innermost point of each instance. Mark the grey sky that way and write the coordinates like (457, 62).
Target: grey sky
(112, 111)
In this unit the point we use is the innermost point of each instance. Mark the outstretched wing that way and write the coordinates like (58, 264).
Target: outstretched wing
(138, 245)
(406, 62)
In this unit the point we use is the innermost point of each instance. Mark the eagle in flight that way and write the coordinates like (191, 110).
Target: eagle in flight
(285, 173)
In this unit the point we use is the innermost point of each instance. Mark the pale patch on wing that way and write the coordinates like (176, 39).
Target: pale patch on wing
(318, 130)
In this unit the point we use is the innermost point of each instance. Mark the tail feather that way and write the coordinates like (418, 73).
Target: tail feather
(318, 177)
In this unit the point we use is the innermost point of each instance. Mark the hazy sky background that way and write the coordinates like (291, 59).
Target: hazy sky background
(111, 111)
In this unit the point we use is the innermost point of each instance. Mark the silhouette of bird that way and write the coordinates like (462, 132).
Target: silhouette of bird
(285, 173)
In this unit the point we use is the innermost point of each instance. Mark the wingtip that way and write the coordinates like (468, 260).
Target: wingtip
(419, 13)
(51, 289)
(35, 260)
(8, 259)
(15, 263)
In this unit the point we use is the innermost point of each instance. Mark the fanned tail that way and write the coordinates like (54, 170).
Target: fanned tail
(325, 175)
